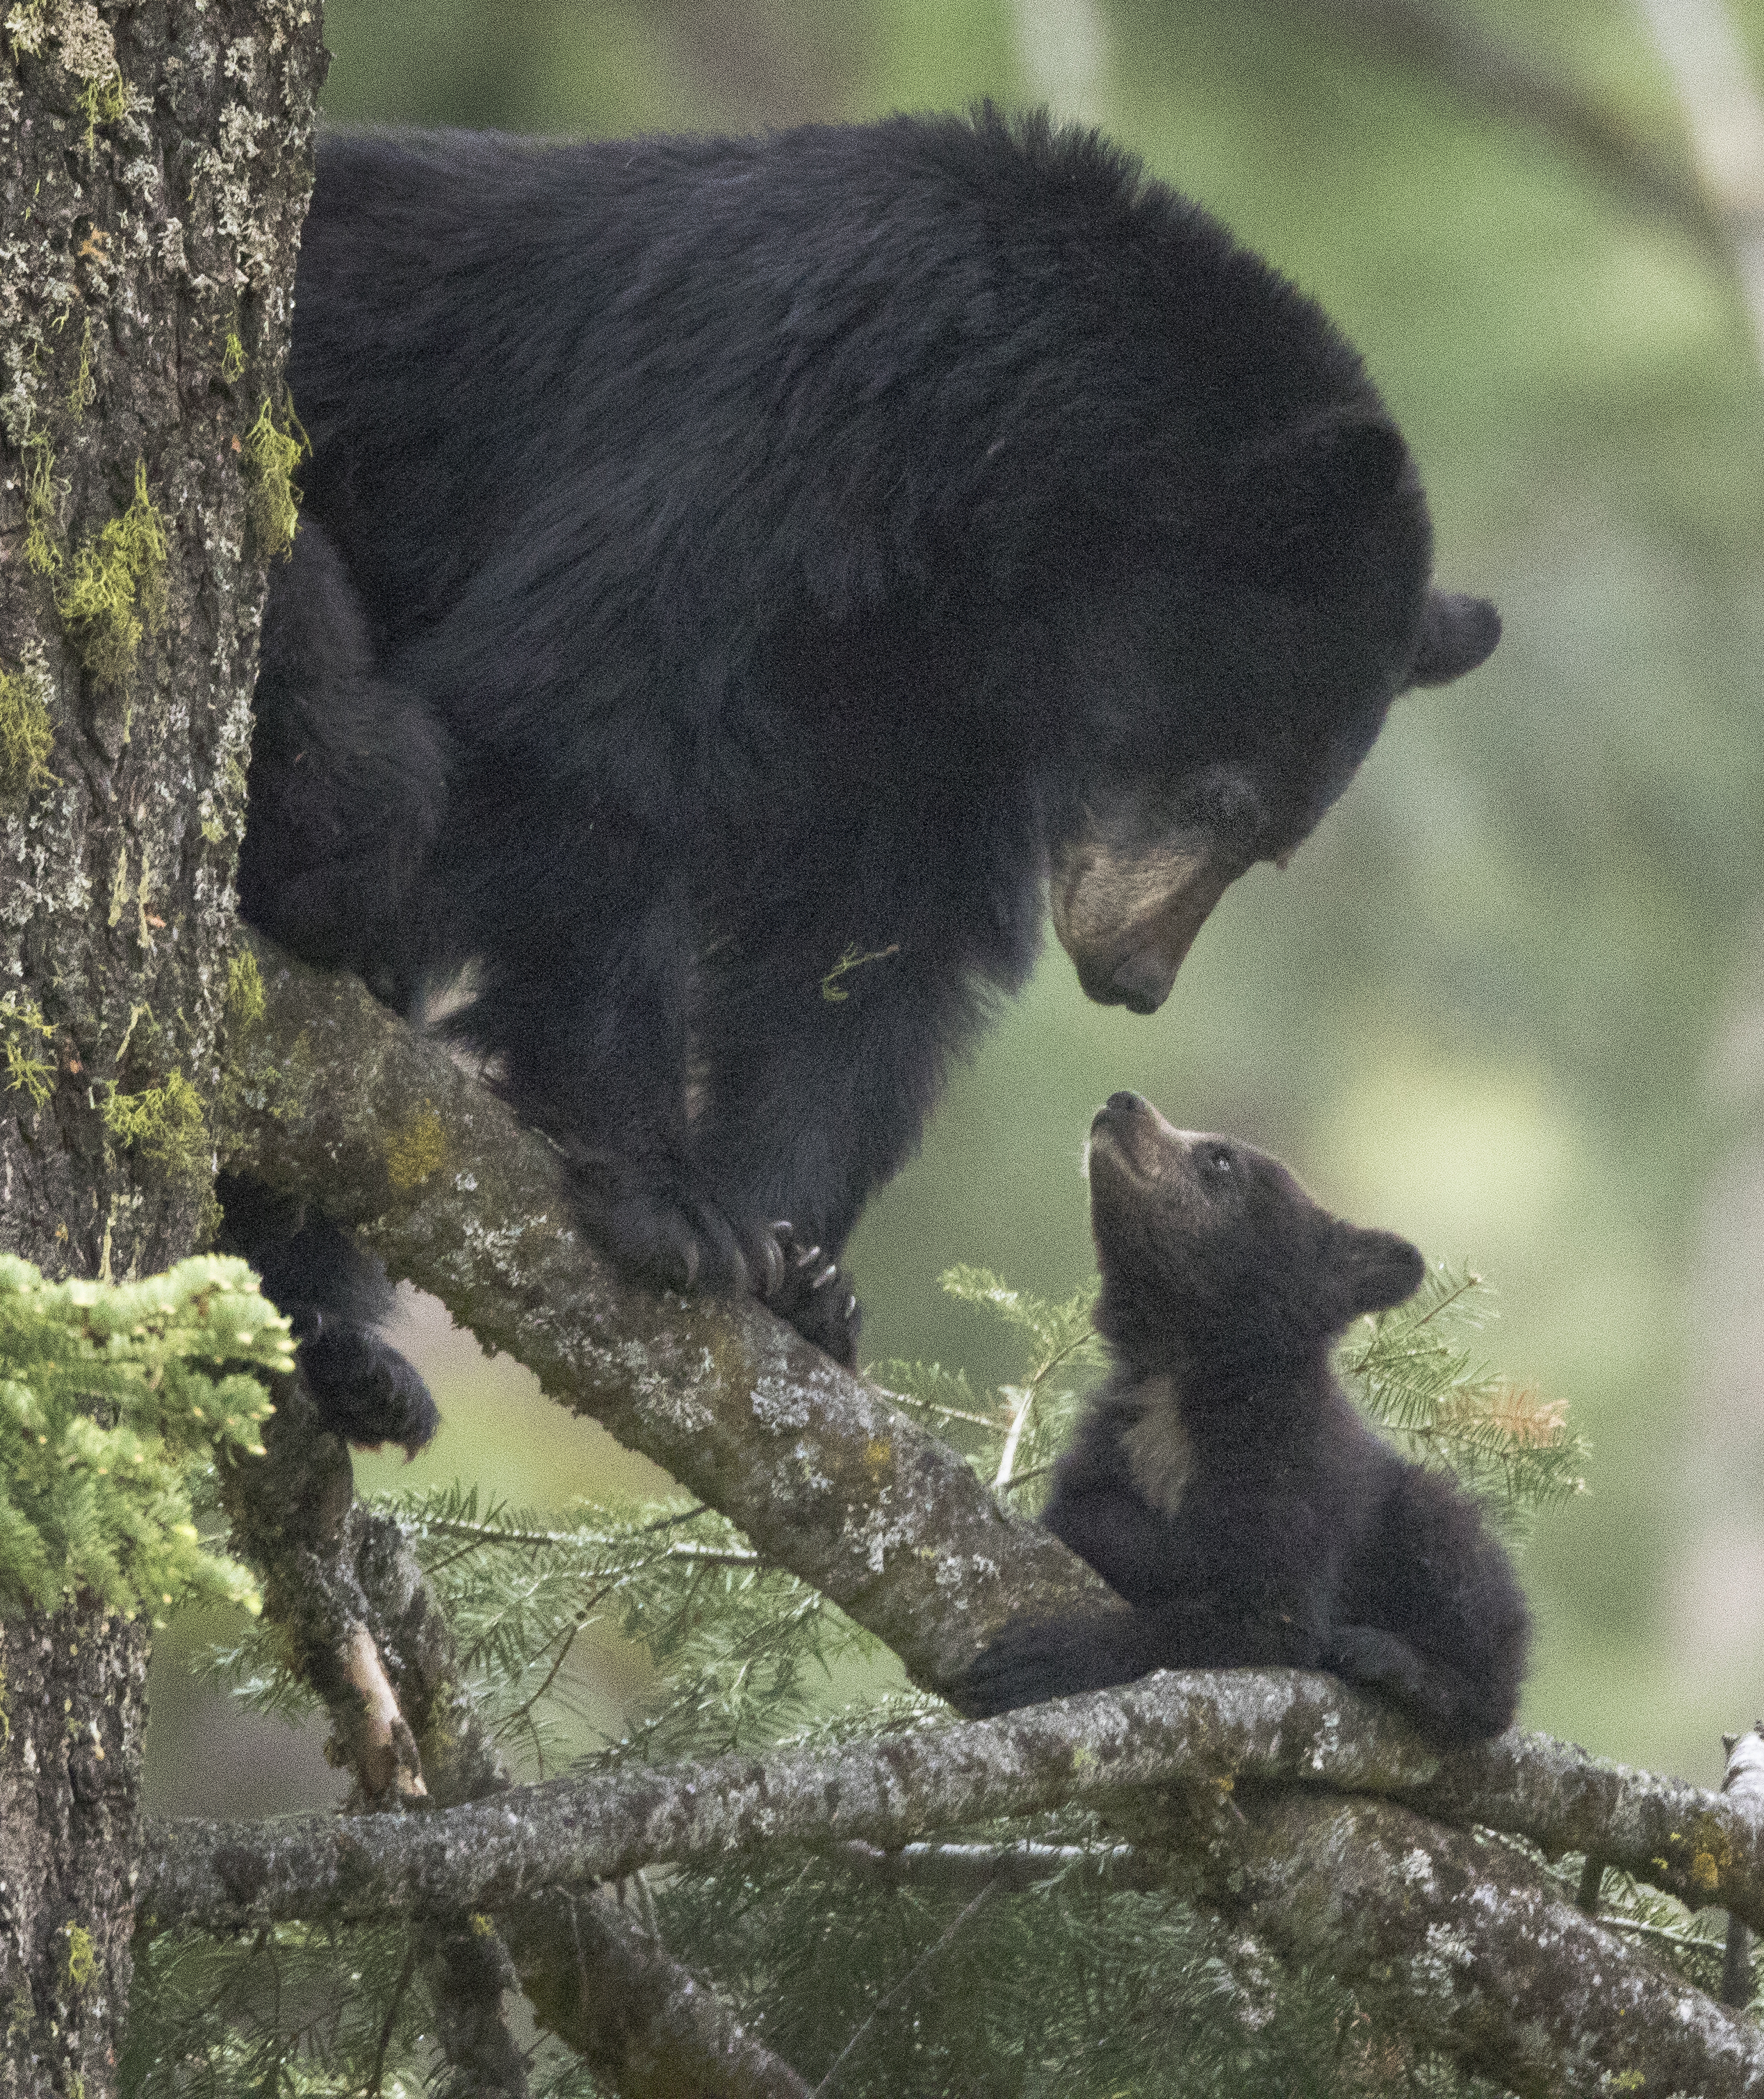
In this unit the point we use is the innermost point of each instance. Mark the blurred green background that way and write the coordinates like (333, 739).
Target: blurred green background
(1511, 999)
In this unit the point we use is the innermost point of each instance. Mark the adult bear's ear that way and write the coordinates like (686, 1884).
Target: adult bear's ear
(1378, 1268)
(1457, 634)
(1301, 498)
(1348, 464)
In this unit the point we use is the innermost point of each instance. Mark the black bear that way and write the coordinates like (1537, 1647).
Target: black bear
(735, 576)
(1222, 1482)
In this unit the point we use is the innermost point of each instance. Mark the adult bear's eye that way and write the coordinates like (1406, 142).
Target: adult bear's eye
(1219, 1160)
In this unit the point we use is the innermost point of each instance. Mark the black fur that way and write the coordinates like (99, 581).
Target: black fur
(1221, 1480)
(734, 574)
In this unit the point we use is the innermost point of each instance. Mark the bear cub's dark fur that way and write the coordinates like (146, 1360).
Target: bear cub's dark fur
(1221, 1480)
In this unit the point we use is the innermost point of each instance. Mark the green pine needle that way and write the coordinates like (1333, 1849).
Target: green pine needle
(114, 1398)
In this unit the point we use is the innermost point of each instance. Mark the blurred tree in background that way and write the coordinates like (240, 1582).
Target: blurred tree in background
(1509, 1001)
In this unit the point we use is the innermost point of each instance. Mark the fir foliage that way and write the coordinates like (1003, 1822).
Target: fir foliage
(1416, 1372)
(1013, 1437)
(114, 1398)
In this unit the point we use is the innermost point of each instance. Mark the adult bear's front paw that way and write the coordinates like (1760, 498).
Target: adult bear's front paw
(672, 1233)
(813, 1295)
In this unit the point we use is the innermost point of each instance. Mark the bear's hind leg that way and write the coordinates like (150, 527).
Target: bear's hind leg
(1430, 1612)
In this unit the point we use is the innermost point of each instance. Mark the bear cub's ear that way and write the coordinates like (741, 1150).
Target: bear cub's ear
(1377, 1269)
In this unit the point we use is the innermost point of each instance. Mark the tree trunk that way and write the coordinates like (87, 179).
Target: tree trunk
(154, 163)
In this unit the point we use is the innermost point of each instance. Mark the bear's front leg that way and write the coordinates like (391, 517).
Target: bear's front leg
(594, 1042)
(814, 1093)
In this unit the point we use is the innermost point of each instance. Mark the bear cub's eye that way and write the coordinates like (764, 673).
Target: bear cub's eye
(1219, 1160)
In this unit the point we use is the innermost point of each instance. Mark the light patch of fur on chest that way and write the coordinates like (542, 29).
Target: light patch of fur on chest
(1159, 1454)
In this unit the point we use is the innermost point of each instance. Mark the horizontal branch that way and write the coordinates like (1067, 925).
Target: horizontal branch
(1238, 1729)
(333, 1092)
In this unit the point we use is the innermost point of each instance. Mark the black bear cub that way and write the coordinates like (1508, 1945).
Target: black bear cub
(1221, 1482)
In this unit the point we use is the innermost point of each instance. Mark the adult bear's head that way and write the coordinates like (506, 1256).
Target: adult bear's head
(1274, 602)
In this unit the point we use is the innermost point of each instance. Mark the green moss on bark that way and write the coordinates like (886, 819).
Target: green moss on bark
(27, 736)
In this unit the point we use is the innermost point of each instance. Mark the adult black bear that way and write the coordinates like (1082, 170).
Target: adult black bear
(734, 574)
(1222, 1482)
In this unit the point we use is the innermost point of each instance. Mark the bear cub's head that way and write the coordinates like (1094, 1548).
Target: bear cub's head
(1212, 1254)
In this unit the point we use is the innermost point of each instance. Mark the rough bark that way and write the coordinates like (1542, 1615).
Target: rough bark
(1452, 1937)
(639, 2019)
(154, 167)
(73, 1709)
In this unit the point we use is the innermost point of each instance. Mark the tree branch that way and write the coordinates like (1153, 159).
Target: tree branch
(649, 2027)
(330, 1093)
(1225, 1730)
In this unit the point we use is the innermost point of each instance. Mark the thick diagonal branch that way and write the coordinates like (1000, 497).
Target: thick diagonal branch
(338, 1098)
